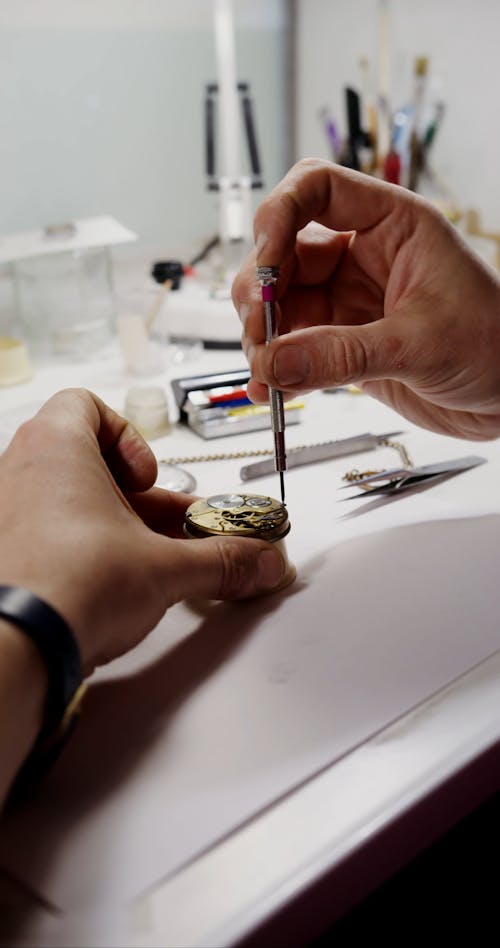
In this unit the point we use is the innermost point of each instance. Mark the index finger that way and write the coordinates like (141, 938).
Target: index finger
(79, 415)
(316, 190)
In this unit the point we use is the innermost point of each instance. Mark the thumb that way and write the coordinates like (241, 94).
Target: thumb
(337, 355)
(223, 568)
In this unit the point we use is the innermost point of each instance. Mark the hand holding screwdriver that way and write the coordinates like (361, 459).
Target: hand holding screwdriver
(268, 277)
(377, 289)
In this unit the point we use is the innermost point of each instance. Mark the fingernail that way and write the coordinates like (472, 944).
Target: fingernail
(243, 312)
(260, 243)
(270, 568)
(291, 365)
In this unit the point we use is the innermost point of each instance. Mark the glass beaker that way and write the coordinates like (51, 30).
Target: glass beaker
(65, 302)
(139, 326)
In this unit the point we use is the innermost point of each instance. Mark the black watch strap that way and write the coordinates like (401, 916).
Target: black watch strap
(59, 649)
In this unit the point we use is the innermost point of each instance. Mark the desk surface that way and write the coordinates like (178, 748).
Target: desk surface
(343, 799)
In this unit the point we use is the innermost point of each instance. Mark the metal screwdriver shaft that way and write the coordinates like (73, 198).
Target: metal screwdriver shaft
(268, 277)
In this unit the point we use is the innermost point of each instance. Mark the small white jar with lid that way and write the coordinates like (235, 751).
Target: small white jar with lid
(146, 408)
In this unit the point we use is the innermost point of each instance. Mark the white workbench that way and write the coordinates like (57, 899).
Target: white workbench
(396, 605)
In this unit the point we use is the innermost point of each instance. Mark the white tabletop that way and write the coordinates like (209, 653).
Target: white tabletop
(377, 673)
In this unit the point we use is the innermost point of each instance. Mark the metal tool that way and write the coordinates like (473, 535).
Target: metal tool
(319, 452)
(268, 277)
(397, 480)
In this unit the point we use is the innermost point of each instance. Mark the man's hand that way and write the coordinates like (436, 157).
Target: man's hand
(376, 288)
(82, 527)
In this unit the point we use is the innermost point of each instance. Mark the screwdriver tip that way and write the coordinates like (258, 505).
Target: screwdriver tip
(282, 486)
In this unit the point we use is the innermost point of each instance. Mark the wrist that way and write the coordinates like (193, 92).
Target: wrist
(48, 633)
(23, 693)
(22, 660)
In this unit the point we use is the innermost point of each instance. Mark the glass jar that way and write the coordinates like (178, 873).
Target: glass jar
(65, 302)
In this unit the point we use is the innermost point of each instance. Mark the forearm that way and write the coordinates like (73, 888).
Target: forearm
(23, 686)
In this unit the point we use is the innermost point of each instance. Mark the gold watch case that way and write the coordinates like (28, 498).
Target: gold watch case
(250, 515)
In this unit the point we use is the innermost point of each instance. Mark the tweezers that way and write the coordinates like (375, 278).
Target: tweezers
(399, 479)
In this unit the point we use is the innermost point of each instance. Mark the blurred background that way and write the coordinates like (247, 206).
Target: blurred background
(151, 131)
(457, 38)
(102, 110)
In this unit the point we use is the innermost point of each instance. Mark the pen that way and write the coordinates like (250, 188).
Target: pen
(237, 394)
(230, 402)
(262, 409)
(241, 411)
(268, 277)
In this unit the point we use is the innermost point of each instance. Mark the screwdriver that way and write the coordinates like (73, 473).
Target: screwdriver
(267, 277)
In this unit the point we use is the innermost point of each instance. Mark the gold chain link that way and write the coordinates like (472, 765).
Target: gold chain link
(398, 446)
(261, 452)
(406, 461)
(226, 456)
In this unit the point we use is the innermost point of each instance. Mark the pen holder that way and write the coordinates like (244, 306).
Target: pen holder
(216, 405)
(244, 515)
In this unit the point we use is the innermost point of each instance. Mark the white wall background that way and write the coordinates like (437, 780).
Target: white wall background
(461, 39)
(101, 101)
(101, 111)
